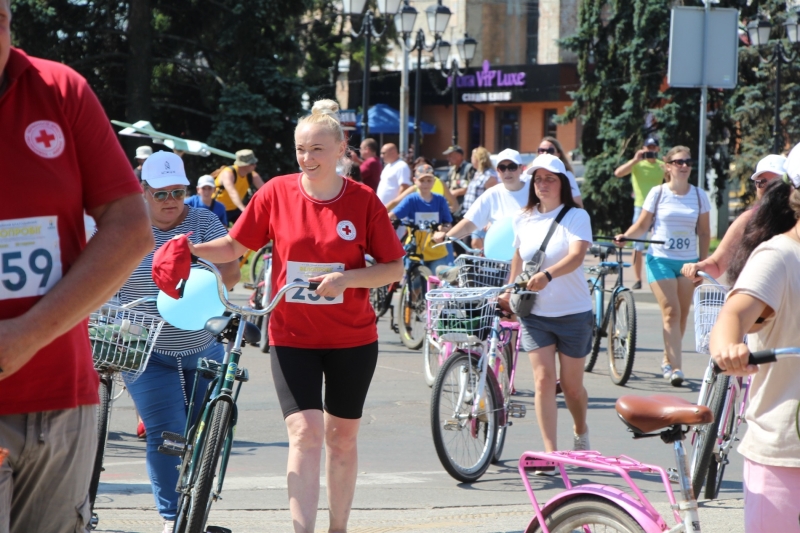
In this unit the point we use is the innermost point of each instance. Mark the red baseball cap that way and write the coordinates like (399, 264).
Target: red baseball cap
(171, 266)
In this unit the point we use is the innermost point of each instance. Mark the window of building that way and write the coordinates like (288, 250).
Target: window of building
(507, 128)
(550, 126)
(532, 14)
(475, 125)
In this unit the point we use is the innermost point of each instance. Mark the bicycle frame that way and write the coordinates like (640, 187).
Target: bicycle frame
(603, 312)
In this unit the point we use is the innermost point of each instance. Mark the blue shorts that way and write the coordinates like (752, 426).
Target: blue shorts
(639, 246)
(572, 334)
(659, 268)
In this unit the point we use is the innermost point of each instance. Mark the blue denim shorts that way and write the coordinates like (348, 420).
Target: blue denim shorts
(572, 334)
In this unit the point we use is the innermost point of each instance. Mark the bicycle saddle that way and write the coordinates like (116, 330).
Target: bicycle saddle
(601, 249)
(646, 414)
(218, 324)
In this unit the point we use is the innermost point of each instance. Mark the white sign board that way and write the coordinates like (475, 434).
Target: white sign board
(687, 43)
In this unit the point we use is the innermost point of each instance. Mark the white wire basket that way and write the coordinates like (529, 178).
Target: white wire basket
(476, 271)
(460, 314)
(122, 339)
(708, 300)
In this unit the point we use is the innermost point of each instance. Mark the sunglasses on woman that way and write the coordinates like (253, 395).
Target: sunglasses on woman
(511, 167)
(682, 162)
(161, 196)
(550, 151)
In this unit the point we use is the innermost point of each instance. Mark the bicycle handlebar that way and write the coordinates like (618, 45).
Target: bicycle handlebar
(766, 356)
(473, 251)
(702, 274)
(626, 239)
(246, 310)
(140, 301)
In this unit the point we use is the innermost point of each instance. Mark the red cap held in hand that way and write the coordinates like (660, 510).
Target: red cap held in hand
(171, 265)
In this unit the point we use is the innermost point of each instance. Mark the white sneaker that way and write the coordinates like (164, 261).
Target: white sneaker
(546, 471)
(169, 526)
(581, 442)
(677, 378)
(666, 370)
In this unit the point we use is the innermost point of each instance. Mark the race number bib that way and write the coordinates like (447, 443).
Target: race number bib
(678, 240)
(30, 257)
(296, 271)
(420, 218)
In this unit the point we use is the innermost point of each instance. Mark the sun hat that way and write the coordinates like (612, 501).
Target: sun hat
(547, 162)
(792, 166)
(454, 148)
(424, 170)
(163, 169)
(509, 155)
(206, 181)
(143, 152)
(244, 158)
(772, 163)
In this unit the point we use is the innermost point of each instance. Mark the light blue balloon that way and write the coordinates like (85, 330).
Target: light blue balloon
(499, 242)
(199, 303)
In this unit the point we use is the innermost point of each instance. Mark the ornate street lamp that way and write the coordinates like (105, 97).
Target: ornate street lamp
(466, 49)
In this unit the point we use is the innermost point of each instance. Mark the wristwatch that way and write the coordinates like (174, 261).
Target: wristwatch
(549, 276)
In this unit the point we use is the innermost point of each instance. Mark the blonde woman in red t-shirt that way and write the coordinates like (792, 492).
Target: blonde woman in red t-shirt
(322, 224)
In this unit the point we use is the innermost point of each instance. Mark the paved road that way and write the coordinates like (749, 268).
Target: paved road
(402, 486)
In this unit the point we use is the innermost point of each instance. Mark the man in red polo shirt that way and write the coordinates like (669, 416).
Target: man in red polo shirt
(369, 163)
(54, 128)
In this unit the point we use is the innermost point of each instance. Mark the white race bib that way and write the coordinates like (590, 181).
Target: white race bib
(678, 240)
(419, 218)
(296, 271)
(30, 257)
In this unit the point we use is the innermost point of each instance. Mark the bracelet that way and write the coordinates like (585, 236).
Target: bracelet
(549, 276)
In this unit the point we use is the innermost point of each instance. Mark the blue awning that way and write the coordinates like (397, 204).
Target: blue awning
(384, 119)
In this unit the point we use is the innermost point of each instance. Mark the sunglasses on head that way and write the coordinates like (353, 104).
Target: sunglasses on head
(511, 167)
(161, 196)
(550, 151)
(682, 162)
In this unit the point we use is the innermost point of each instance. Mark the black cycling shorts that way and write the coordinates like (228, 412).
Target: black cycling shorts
(298, 375)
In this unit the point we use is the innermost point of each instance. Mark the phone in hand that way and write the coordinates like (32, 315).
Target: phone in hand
(649, 155)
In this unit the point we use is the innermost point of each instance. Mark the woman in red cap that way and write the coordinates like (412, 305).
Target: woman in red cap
(321, 225)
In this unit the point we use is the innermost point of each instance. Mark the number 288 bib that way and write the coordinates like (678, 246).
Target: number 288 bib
(297, 271)
(30, 257)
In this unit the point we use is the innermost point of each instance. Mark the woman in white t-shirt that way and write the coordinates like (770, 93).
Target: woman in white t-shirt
(678, 213)
(765, 302)
(561, 318)
(550, 145)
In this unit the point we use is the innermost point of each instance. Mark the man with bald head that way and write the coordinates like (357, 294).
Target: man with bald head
(395, 177)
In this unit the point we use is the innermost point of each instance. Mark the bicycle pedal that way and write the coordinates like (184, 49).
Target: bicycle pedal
(174, 437)
(249, 286)
(517, 410)
(451, 425)
(673, 476)
(171, 450)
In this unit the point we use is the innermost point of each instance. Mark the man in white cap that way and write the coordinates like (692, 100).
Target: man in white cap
(769, 168)
(142, 153)
(54, 127)
(234, 182)
(205, 199)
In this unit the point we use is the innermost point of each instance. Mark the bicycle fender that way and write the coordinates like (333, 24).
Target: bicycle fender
(619, 290)
(424, 271)
(649, 522)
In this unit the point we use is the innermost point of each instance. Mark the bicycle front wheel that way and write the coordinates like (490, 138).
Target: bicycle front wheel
(622, 338)
(262, 299)
(591, 359)
(705, 437)
(504, 359)
(588, 514)
(103, 415)
(430, 356)
(200, 496)
(716, 466)
(464, 440)
(414, 312)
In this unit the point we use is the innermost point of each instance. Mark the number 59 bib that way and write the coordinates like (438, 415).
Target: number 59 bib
(296, 271)
(30, 257)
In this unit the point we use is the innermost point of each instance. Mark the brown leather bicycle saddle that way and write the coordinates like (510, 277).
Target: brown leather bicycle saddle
(646, 414)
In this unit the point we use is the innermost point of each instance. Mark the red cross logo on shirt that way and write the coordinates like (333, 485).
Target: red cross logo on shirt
(45, 138)
(346, 230)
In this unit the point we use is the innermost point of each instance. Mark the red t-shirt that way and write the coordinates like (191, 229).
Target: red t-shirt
(311, 238)
(371, 172)
(58, 156)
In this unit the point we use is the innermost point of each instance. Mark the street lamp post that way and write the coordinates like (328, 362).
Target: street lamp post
(388, 8)
(466, 50)
(438, 17)
(758, 31)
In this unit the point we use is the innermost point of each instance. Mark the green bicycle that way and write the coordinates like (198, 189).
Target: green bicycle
(205, 447)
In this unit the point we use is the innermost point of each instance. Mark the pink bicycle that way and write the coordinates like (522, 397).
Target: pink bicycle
(594, 507)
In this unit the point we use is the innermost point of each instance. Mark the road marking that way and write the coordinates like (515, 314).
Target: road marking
(124, 463)
(399, 370)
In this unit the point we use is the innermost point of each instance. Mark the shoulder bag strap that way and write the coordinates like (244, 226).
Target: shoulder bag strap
(553, 226)
(699, 208)
(655, 208)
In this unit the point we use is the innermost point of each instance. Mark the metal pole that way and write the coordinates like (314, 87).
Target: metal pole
(777, 127)
(404, 102)
(701, 152)
(417, 93)
(453, 77)
(365, 90)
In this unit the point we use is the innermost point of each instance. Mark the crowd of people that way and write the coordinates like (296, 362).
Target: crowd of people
(317, 217)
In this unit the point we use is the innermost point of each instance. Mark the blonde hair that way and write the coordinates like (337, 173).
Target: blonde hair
(668, 157)
(326, 114)
(481, 155)
(562, 155)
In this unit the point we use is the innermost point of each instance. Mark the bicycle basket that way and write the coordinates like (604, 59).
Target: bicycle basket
(708, 300)
(476, 271)
(460, 314)
(122, 339)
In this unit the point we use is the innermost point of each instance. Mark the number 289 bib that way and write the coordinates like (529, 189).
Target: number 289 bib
(30, 257)
(297, 271)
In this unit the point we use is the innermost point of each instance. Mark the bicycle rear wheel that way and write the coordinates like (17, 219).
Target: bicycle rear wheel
(504, 399)
(414, 311)
(588, 514)
(464, 442)
(200, 496)
(622, 338)
(705, 437)
(591, 359)
(103, 415)
(430, 356)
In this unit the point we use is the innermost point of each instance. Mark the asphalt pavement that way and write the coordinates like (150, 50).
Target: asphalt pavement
(401, 485)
